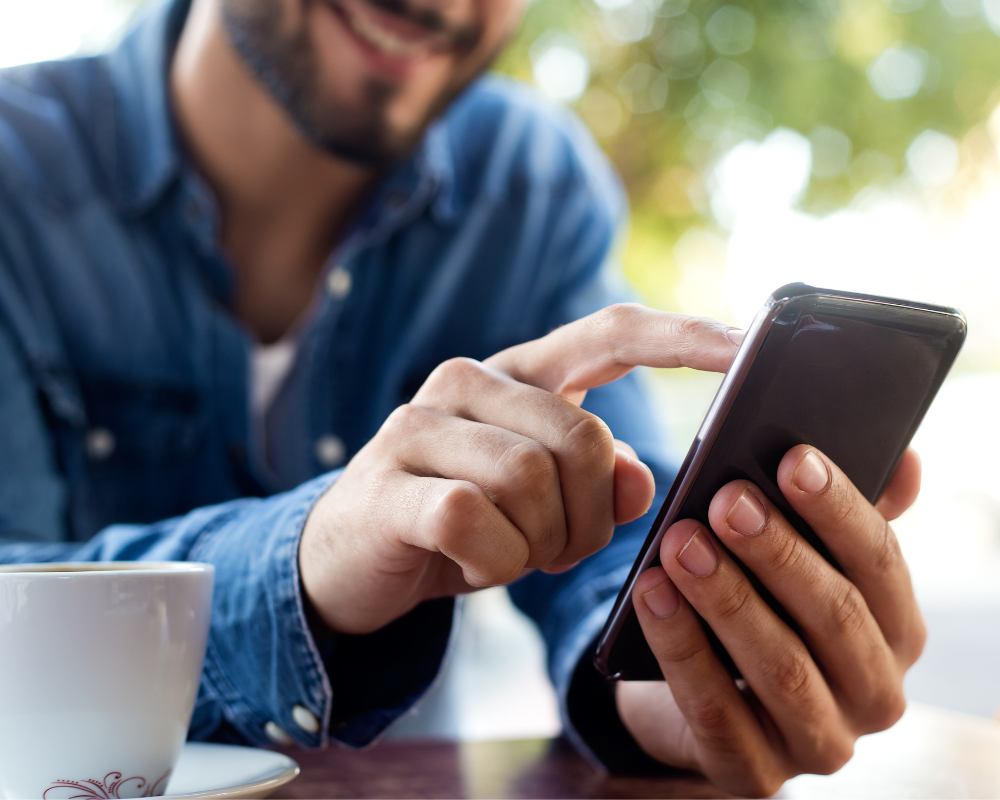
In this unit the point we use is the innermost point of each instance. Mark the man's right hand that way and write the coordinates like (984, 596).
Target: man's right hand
(493, 469)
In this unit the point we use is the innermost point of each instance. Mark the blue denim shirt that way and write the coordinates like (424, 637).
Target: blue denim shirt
(124, 422)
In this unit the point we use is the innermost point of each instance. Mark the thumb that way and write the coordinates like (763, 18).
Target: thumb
(634, 485)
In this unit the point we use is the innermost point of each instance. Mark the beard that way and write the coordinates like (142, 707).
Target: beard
(287, 66)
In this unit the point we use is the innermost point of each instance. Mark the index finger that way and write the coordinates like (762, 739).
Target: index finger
(606, 345)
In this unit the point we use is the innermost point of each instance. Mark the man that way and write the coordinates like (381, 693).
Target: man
(264, 239)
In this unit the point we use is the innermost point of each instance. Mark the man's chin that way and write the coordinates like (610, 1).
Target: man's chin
(375, 146)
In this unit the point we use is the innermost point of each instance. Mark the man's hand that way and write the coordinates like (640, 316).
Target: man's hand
(493, 469)
(807, 696)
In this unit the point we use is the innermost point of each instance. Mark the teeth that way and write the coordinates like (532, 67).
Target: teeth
(386, 41)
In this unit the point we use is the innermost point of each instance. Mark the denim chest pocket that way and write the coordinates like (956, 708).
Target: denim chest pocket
(141, 450)
(136, 424)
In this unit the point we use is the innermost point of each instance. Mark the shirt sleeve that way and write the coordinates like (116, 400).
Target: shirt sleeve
(265, 678)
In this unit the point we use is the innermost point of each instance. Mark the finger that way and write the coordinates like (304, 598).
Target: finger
(635, 486)
(582, 445)
(860, 540)
(723, 737)
(831, 613)
(903, 488)
(625, 448)
(457, 519)
(518, 474)
(773, 660)
(606, 345)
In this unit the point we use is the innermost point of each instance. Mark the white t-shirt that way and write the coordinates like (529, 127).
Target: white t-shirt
(270, 365)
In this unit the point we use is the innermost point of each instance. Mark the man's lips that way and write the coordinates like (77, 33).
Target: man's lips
(394, 38)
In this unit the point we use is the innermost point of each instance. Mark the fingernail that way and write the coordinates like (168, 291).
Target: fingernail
(747, 515)
(663, 600)
(698, 556)
(635, 462)
(736, 336)
(811, 475)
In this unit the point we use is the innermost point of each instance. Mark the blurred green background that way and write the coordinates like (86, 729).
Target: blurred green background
(667, 86)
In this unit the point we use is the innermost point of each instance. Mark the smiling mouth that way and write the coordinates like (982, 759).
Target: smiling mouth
(392, 36)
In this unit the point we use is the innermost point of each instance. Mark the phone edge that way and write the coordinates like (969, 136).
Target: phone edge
(688, 472)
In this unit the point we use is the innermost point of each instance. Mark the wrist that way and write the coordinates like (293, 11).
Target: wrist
(593, 711)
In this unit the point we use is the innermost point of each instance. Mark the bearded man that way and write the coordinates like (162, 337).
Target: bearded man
(292, 288)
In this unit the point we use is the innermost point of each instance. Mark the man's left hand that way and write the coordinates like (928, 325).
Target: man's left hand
(808, 695)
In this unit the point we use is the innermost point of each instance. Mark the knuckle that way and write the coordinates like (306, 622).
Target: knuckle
(611, 318)
(835, 753)
(787, 555)
(455, 371)
(682, 649)
(885, 709)
(887, 554)
(894, 709)
(734, 598)
(459, 520)
(822, 747)
(691, 327)
(850, 614)
(688, 331)
(406, 419)
(458, 510)
(759, 781)
(844, 506)
(530, 477)
(713, 722)
(790, 674)
(746, 773)
(590, 443)
(715, 725)
(612, 323)
(529, 469)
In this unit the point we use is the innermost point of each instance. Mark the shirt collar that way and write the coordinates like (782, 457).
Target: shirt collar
(145, 146)
(146, 153)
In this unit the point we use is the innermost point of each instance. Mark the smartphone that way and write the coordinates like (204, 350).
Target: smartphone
(850, 374)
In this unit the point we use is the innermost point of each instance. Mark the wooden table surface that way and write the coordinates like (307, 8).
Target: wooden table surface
(929, 753)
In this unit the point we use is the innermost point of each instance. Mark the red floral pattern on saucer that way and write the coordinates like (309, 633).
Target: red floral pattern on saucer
(108, 789)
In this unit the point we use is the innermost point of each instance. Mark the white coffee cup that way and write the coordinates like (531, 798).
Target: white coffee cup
(99, 670)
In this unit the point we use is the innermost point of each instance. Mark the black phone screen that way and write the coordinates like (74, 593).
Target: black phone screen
(849, 374)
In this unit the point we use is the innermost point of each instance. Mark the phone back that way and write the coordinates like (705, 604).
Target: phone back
(850, 374)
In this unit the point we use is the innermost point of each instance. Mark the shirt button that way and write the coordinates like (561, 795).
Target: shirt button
(338, 283)
(278, 735)
(99, 444)
(305, 719)
(330, 451)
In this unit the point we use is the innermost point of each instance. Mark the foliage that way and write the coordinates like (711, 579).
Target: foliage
(674, 83)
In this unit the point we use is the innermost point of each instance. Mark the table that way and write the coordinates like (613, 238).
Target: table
(929, 753)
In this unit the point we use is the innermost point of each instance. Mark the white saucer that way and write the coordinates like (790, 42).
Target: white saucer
(225, 771)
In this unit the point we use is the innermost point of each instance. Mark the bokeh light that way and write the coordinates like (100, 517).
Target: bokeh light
(44, 29)
(559, 67)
